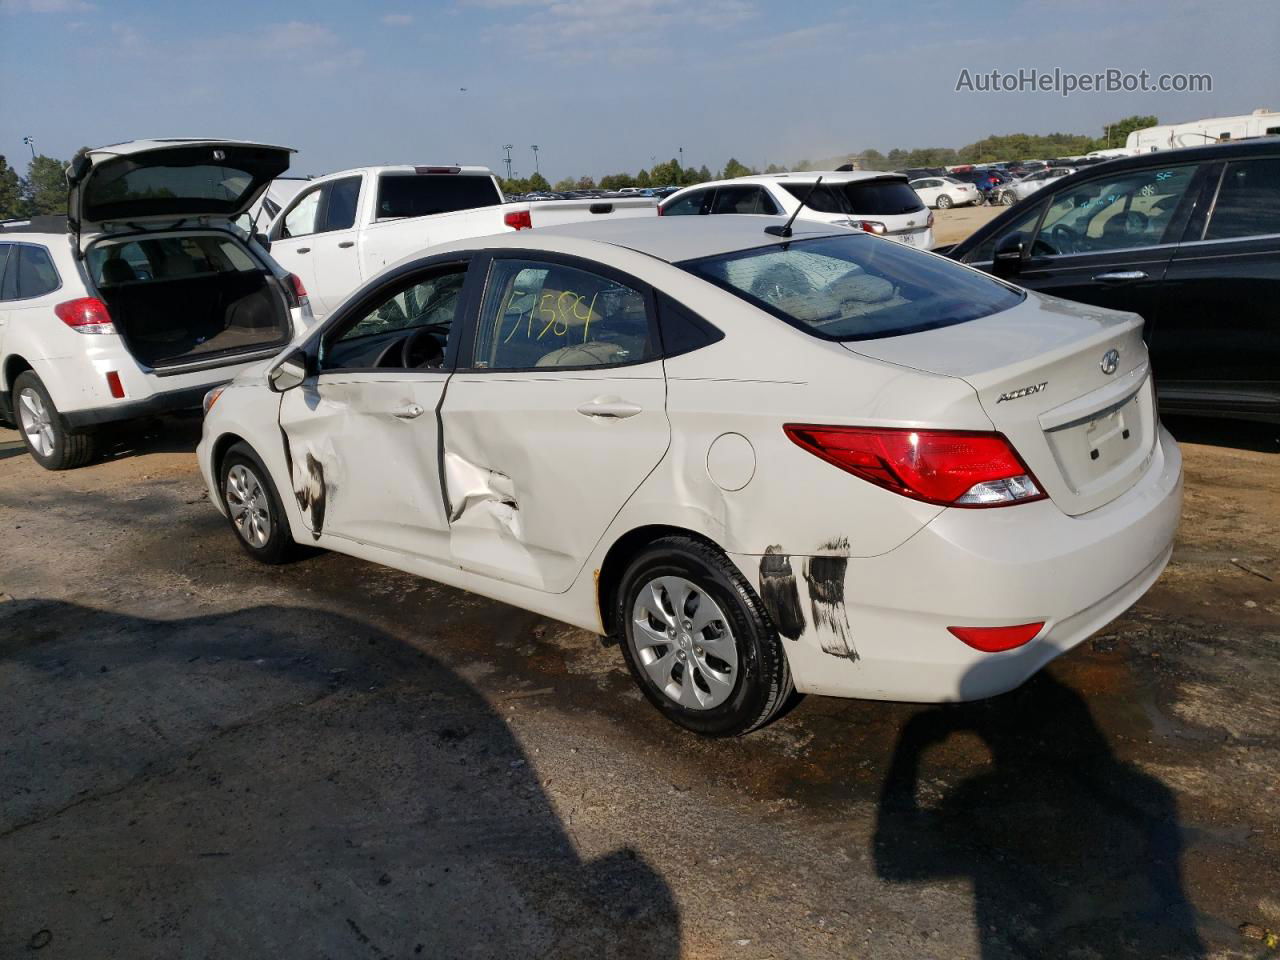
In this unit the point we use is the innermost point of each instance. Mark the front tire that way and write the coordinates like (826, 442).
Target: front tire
(944, 202)
(253, 506)
(49, 441)
(698, 641)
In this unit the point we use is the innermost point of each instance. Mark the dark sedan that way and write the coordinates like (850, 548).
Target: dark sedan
(1189, 239)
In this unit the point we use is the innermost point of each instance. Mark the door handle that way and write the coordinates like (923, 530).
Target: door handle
(609, 408)
(1120, 276)
(303, 250)
(412, 411)
(346, 243)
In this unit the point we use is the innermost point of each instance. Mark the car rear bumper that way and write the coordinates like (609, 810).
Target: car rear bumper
(876, 627)
(171, 401)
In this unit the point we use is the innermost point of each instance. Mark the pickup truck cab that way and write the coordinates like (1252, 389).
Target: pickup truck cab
(347, 227)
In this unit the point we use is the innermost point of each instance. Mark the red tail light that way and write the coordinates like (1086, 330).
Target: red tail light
(948, 467)
(996, 639)
(299, 288)
(519, 220)
(929, 222)
(659, 209)
(871, 226)
(85, 315)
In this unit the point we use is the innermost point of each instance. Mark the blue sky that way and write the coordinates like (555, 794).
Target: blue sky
(601, 85)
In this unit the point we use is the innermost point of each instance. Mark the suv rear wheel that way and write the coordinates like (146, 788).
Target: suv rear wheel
(48, 440)
(698, 641)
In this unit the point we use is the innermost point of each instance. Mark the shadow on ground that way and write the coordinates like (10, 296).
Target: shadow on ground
(281, 782)
(1070, 852)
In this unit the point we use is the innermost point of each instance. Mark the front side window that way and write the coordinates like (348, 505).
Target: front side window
(1248, 203)
(404, 330)
(340, 211)
(1025, 225)
(690, 205)
(548, 315)
(1115, 212)
(301, 220)
(856, 287)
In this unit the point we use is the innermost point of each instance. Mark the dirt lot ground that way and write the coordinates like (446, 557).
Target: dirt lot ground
(203, 757)
(953, 225)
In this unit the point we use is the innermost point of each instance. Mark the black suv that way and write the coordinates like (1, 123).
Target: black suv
(1189, 239)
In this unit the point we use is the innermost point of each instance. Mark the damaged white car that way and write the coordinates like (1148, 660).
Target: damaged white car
(762, 460)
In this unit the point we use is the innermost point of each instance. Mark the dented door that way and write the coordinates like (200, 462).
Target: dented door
(363, 451)
(557, 419)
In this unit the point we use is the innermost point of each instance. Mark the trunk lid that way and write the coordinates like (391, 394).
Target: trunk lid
(1069, 386)
(168, 180)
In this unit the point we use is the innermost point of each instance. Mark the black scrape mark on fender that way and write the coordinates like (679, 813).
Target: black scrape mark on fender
(825, 576)
(311, 495)
(779, 593)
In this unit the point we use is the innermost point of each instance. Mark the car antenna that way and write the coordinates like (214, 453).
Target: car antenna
(785, 230)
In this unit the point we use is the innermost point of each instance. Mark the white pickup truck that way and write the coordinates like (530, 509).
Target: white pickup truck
(346, 227)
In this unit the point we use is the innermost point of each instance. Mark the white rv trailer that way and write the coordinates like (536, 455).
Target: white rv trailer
(1170, 136)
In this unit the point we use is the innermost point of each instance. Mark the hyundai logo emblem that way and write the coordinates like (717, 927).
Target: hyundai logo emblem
(1110, 362)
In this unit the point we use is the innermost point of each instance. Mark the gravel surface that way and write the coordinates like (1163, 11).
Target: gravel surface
(208, 758)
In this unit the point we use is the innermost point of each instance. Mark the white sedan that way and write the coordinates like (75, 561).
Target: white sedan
(944, 192)
(760, 460)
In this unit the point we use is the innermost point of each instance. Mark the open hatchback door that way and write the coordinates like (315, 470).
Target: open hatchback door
(152, 220)
(145, 181)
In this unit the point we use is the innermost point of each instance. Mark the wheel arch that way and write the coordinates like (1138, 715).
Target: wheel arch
(14, 366)
(219, 452)
(623, 550)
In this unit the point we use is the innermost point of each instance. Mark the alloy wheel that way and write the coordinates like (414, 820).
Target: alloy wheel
(682, 640)
(248, 505)
(37, 422)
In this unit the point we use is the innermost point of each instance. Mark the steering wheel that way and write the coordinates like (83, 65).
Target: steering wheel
(421, 349)
(1064, 238)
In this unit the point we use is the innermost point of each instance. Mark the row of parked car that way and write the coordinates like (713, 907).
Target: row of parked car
(768, 440)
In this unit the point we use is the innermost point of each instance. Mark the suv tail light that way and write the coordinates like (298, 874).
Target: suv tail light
(296, 291)
(870, 226)
(519, 220)
(659, 209)
(951, 468)
(85, 315)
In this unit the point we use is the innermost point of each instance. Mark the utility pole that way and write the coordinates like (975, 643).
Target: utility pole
(681, 150)
(536, 169)
(508, 147)
(31, 142)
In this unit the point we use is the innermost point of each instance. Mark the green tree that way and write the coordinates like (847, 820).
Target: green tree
(1114, 134)
(665, 174)
(703, 174)
(538, 182)
(735, 169)
(46, 186)
(12, 204)
(642, 178)
(568, 183)
(586, 183)
(616, 181)
(774, 168)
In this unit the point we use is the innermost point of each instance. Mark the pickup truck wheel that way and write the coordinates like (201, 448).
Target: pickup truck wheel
(698, 641)
(253, 506)
(48, 440)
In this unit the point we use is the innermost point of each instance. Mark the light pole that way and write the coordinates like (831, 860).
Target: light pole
(681, 149)
(536, 169)
(31, 142)
(508, 147)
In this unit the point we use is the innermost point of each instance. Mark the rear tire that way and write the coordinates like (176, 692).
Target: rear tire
(49, 441)
(253, 506)
(944, 202)
(698, 641)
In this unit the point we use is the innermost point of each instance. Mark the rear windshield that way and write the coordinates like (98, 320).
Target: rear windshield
(166, 258)
(417, 195)
(883, 197)
(856, 287)
(211, 180)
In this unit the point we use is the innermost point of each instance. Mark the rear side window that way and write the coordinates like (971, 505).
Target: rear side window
(340, 211)
(881, 197)
(4, 259)
(419, 195)
(538, 314)
(166, 258)
(1248, 202)
(856, 287)
(743, 200)
(29, 273)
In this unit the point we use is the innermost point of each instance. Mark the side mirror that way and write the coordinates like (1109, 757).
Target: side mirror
(1007, 259)
(289, 372)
